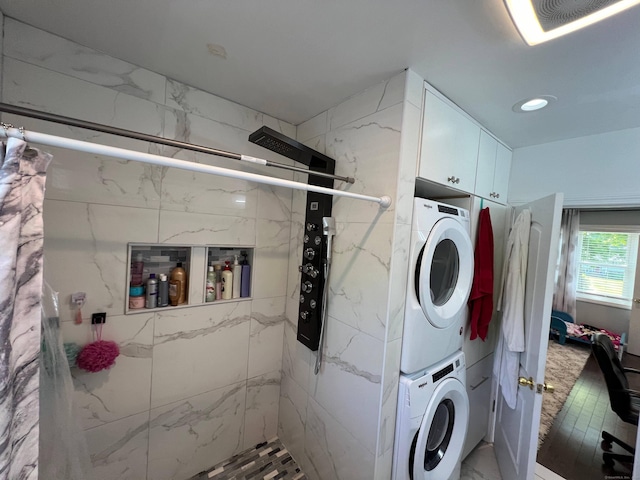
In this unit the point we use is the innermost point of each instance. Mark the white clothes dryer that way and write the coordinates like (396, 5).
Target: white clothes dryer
(433, 416)
(439, 283)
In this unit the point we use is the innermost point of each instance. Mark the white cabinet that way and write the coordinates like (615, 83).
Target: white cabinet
(479, 391)
(449, 149)
(494, 165)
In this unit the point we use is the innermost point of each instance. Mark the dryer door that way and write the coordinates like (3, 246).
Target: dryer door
(438, 446)
(444, 272)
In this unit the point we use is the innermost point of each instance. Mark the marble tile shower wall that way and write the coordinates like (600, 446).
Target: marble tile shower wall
(192, 386)
(340, 424)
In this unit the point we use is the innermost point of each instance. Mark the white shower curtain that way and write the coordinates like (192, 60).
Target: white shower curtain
(564, 295)
(22, 179)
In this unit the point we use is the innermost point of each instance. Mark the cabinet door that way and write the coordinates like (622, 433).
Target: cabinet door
(501, 175)
(479, 390)
(486, 165)
(449, 145)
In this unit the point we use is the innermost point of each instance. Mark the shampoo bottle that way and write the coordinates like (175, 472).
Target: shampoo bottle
(152, 292)
(218, 272)
(178, 285)
(210, 296)
(246, 277)
(237, 273)
(227, 281)
(163, 291)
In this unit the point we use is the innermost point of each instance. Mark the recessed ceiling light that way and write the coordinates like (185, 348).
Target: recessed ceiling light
(533, 104)
(542, 20)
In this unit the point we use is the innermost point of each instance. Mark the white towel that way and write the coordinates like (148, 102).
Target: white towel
(511, 302)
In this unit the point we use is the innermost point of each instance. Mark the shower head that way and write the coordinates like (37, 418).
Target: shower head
(286, 147)
(328, 226)
(290, 148)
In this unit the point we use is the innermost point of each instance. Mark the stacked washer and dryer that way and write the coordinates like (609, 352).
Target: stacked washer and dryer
(433, 406)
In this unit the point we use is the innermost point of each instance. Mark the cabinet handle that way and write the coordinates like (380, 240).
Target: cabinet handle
(453, 179)
(473, 387)
(497, 195)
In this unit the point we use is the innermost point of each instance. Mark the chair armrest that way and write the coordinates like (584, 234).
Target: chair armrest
(631, 370)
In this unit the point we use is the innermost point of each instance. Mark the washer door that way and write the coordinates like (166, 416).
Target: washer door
(438, 444)
(444, 272)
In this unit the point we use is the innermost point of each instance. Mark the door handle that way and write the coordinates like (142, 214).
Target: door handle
(548, 388)
(636, 300)
(526, 382)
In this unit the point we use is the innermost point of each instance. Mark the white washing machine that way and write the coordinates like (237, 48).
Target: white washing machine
(439, 283)
(433, 416)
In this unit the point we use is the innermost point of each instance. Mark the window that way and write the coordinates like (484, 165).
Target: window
(607, 267)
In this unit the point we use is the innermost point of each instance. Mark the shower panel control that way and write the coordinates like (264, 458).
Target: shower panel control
(312, 269)
(314, 245)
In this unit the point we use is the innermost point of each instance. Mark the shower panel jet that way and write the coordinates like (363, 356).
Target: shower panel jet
(314, 251)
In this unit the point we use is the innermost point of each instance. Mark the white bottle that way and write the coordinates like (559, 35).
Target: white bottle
(237, 275)
(227, 281)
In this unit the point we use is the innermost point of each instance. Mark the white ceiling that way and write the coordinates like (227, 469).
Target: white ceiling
(293, 59)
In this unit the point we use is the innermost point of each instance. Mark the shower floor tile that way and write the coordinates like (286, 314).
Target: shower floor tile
(267, 461)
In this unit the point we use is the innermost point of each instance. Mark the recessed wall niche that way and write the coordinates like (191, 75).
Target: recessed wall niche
(159, 260)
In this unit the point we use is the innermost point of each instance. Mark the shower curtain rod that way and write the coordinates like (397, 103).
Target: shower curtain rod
(98, 127)
(87, 147)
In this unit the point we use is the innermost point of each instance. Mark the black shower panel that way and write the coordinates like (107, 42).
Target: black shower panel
(314, 247)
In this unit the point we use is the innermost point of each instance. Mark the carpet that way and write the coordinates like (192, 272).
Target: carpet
(564, 365)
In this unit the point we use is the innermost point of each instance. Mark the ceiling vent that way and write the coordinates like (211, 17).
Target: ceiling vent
(542, 20)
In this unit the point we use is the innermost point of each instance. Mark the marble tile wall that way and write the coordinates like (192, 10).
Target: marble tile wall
(340, 424)
(192, 386)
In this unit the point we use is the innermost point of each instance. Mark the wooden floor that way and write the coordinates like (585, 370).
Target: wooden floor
(572, 447)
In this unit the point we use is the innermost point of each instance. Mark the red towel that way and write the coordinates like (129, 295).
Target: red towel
(481, 298)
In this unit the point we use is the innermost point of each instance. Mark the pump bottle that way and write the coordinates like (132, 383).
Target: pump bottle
(227, 281)
(237, 274)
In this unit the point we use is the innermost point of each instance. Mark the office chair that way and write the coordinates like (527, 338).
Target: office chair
(624, 402)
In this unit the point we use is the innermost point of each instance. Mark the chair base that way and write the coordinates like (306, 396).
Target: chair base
(609, 457)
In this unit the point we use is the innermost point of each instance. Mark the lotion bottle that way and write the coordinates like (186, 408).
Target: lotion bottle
(227, 281)
(237, 274)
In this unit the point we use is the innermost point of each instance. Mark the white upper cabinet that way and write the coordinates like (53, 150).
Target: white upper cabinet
(449, 147)
(501, 174)
(494, 165)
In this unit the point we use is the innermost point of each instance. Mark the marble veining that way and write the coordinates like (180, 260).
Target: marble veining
(360, 274)
(103, 457)
(261, 410)
(187, 414)
(119, 449)
(227, 322)
(331, 452)
(46, 50)
(188, 436)
(194, 101)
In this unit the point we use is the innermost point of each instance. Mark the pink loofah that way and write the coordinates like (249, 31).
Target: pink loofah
(98, 355)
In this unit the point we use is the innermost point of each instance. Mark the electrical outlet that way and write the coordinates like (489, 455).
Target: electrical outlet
(98, 318)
